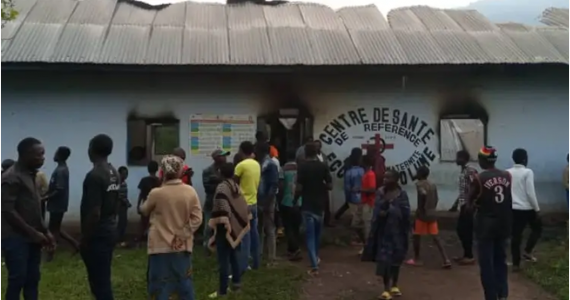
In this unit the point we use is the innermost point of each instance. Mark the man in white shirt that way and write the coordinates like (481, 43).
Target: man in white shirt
(525, 208)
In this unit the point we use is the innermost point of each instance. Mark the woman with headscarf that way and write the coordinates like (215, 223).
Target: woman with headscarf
(388, 240)
(175, 214)
(230, 222)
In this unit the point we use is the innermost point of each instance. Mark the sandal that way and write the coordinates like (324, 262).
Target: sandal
(466, 261)
(385, 296)
(216, 295)
(395, 291)
(447, 265)
(413, 262)
(529, 258)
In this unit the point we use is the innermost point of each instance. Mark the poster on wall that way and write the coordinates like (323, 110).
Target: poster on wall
(209, 132)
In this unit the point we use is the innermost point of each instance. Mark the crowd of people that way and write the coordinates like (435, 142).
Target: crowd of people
(246, 203)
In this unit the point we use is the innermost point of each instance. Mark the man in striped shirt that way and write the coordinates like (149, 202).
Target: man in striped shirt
(465, 222)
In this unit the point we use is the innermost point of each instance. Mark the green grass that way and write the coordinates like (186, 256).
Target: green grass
(65, 278)
(551, 272)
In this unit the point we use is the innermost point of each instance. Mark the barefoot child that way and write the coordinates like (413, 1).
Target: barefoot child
(426, 222)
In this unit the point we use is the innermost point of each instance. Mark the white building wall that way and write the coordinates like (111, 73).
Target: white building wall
(70, 109)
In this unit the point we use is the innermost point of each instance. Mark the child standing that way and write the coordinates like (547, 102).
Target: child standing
(124, 206)
(146, 185)
(388, 242)
(426, 221)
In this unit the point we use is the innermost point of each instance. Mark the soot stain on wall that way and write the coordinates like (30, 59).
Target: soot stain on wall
(461, 104)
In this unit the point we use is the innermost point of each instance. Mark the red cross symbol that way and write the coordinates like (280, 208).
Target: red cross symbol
(378, 143)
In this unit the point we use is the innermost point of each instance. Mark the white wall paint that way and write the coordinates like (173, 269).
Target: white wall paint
(69, 109)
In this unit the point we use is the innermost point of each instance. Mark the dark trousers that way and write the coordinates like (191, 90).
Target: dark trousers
(343, 209)
(228, 262)
(97, 255)
(328, 213)
(493, 268)
(44, 209)
(465, 229)
(292, 220)
(22, 260)
(122, 223)
(522, 219)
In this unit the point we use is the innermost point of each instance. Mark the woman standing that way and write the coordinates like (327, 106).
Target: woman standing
(175, 214)
(229, 222)
(388, 241)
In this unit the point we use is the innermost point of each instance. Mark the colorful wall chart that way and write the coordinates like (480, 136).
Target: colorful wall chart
(209, 132)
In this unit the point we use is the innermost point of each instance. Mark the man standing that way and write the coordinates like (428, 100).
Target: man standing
(99, 209)
(368, 196)
(7, 164)
(301, 150)
(313, 184)
(352, 187)
(266, 201)
(58, 197)
(248, 175)
(323, 158)
(355, 155)
(211, 177)
(491, 194)
(525, 209)
(147, 184)
(290, 215)
(23, 231)
(426, 220)
(465, 225)
(187, 172)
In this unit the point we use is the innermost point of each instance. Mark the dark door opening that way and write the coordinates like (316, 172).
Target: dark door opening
(287, 129)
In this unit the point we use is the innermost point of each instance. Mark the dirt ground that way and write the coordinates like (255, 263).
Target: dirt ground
(344, 277)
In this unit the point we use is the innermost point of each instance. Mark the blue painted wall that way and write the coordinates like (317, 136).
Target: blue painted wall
(528, 111)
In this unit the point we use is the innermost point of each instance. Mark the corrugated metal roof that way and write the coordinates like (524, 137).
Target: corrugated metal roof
(555, 17)
(189, 33)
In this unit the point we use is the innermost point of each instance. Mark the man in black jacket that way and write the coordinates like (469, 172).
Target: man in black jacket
(211, 178)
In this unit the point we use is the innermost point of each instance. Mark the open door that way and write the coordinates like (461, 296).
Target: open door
(262, 125)
(287, 129)
(307, 125)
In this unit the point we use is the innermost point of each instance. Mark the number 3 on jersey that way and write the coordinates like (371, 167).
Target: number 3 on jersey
(499, 194)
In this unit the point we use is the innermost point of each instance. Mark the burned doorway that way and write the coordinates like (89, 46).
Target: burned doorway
(288, 124)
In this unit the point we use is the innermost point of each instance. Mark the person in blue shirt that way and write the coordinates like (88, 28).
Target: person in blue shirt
(266, 201)
(352, 186)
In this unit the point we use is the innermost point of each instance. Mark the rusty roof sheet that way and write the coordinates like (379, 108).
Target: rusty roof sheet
(189, 33)
(555, 17)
